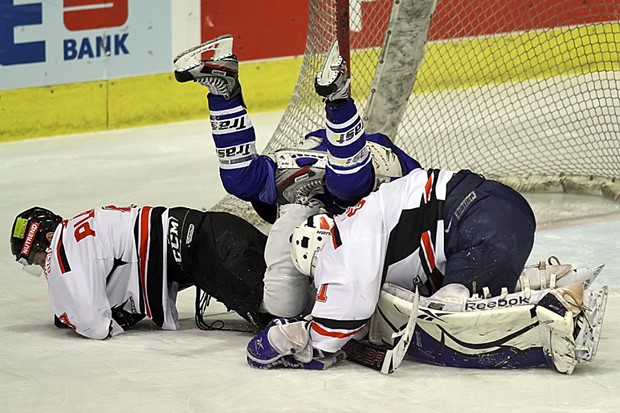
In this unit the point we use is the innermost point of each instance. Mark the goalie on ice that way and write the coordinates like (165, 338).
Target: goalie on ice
(477, 310)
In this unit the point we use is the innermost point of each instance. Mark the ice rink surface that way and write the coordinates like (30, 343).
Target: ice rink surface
(46, 369)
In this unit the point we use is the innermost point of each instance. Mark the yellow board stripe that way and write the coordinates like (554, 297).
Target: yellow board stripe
(510, 57)
(133, 102)
(154, 99)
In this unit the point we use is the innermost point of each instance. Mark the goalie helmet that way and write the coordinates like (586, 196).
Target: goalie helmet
(28, 234)
(308, 239)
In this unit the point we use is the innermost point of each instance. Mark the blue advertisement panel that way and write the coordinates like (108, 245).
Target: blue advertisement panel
(66, 41)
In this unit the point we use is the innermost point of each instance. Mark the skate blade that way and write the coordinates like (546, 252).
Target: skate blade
(222, 47)
(328, 74)
(596, 270)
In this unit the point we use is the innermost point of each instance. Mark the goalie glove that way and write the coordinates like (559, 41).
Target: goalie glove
(286, 343)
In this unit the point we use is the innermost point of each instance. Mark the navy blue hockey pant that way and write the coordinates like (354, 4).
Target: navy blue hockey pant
(490, 233)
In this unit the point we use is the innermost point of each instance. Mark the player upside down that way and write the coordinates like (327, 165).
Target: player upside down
(229, 264)
(333, 168)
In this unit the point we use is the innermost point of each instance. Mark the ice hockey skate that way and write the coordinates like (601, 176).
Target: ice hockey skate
(300, 186)
(333, 81)
(218, 73)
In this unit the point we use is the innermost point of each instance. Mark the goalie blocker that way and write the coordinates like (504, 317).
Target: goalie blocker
(557, 327)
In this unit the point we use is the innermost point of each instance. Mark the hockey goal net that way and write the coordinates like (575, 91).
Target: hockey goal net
(524, 92)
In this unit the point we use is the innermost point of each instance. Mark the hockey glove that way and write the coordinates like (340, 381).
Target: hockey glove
(285, 343)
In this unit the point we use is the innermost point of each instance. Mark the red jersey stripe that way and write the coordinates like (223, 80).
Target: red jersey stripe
(429, 252)
(59, 255)
(145, 219)
(334, 334)
(428, 187)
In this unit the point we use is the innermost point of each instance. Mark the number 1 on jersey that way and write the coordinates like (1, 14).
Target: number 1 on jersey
(322, 293)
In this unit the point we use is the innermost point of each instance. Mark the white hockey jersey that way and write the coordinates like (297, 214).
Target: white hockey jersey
(287, 292)
(109, 257)
(394, 235)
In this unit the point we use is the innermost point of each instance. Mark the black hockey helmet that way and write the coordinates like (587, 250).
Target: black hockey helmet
(28, 233)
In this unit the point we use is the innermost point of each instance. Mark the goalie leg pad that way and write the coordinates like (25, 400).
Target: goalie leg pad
(590, 323)
(561, 275)
(556, 332)
(500, 338)
(562, 329)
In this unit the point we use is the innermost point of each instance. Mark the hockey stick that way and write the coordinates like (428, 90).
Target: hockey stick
(382, 358)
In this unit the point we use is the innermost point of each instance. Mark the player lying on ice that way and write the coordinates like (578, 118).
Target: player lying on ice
(452, 236)
(109, 267)
(334, 167)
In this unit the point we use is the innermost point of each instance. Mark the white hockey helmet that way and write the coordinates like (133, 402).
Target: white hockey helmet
(307, 239)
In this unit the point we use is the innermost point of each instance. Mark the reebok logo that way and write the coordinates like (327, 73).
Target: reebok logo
(497, 303)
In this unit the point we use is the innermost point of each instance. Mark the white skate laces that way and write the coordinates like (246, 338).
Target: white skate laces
(216, 85)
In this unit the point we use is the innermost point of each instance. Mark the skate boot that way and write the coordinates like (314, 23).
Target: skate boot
(332, 82)
(303, 186)
(218, 73)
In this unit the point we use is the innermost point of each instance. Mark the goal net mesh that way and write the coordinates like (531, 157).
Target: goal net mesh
(524, 92)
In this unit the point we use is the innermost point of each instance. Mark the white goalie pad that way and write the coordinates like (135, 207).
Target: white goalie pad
(221, 46)
(287, 158)
(457, 328)
(556, 334)
(385, 162)
(402, 336)
(565, 339)
(542, 275)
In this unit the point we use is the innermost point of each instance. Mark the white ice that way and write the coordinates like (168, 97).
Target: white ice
(43, 368)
